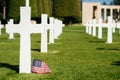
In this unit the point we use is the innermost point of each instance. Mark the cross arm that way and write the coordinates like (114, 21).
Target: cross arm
(29, 28)
(49, 26)
(12, 28)
(108, 25)
(36, 28)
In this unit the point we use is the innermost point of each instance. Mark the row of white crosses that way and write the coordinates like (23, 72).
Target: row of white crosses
(25, 28)
(55, 27)
(91, 28)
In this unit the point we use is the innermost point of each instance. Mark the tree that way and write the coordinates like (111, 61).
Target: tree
(104, 3)
(38, 7)
(111, 3)
(116, 2)
(0, 9)
(14, 9)
(44, 7)
(33, 4)
(3, 10)
(68, 10)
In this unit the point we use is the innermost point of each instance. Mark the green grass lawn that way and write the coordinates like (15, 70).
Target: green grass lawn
(74, 56)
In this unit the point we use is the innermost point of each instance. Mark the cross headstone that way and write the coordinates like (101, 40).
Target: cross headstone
(114, 26)
(60, 26)
(87, 27)
(44, 34)
(111, 25)
(11, 34)
(100, 29)
(51, 36)
(109, 32)
(90, 27)
(94, 27)
(25, 28)
(57, 28)
(27, 3)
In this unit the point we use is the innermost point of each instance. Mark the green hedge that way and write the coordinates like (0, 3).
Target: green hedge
(33, 4)
(44, 7)
(69, 10)
(14, 9)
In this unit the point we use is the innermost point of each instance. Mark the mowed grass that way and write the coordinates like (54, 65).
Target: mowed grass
(74, 56)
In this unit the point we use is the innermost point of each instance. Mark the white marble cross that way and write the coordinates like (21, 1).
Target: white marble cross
(10, 23)
(114, 25)
(27, 3)
(94, 27)
(51, 27)
(109, 32)
(111, 28)
(111, 25)
(57, 28)
(90, 27)
(60, 27)
(25, 28)
(100, 29)
(87, 26)
(44, 24)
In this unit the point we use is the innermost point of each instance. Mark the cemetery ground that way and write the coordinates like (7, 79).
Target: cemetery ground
(74, 56)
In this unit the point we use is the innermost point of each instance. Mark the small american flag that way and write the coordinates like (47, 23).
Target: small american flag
(40, 68)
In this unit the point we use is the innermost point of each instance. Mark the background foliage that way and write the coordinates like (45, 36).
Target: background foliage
(117, 2)
(67, 10)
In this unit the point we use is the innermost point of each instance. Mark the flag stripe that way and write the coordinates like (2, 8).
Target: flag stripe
(41, 70)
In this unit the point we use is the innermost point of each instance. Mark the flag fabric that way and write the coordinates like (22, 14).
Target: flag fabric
(36, 63)
(40, 67)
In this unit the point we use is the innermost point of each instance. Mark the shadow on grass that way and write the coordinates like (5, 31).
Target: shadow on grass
(36, 50)
(117, 63)
(38, 41)
(97, 41)
(114, 49)
(100, 48)
(12, 67)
